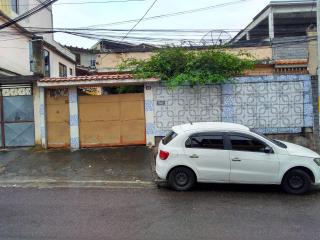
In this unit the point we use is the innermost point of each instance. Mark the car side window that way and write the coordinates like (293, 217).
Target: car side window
(206, 141)
(246, 143)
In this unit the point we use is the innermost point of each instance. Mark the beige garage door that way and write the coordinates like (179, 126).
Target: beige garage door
(58, 131)
(112, 120)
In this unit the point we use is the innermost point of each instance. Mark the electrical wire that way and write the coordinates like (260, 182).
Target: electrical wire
(145, 14)
(174, 13)
(81, 3)
(28, 13)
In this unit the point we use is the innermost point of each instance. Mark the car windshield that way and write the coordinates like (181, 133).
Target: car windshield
(277, 142)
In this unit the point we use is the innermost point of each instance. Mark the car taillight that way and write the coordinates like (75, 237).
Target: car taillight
(163, 155)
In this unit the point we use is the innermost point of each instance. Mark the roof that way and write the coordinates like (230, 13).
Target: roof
(82, 50)
(280, 7)
(284, 4)
(210, 126)
(122, 47)
(98, 80)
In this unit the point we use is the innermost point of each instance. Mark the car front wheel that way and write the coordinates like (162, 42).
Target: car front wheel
(181, 179)
(296, 182)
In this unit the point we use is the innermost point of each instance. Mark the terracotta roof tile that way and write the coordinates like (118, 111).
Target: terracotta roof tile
(88, 78)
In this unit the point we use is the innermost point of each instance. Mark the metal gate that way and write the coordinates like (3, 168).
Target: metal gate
(112, 120)
(57, 111)
(16, 116)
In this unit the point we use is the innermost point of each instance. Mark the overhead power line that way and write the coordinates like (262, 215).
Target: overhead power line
(82, 3)
(145, 14)
(174, 13)
(28, 13)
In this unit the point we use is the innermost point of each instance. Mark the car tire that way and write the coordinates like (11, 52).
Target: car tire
(181, 179)
(296, 182)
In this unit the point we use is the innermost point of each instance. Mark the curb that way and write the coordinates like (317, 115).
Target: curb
(76, 184)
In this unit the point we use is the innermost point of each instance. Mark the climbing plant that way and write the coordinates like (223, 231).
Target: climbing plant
(179, 66)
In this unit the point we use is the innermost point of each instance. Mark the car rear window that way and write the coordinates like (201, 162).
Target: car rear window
(171, 135)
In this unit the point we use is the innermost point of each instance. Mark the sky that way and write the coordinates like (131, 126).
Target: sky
(236, 16)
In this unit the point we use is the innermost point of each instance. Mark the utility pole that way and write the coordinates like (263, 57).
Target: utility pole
(318, 69)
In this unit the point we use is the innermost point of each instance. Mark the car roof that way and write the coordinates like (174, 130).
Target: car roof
(210, 126)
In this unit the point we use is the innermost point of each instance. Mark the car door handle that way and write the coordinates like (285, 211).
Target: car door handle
(236, 160)
(194, 156)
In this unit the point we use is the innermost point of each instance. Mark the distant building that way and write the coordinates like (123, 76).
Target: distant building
(106, 55)
(283, 26)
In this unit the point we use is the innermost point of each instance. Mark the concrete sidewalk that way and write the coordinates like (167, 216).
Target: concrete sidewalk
(120, 167)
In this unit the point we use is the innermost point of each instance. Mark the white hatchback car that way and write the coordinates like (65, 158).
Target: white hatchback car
(232, 153)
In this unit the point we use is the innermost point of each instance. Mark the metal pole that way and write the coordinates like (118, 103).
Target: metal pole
(318, 69)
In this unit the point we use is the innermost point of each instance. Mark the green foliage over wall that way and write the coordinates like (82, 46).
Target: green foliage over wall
(178, 66)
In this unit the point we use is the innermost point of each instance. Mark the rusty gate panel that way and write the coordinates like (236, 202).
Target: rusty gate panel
(112, 120)
(58, 130)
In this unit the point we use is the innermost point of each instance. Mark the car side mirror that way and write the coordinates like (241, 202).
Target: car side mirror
(268, 150)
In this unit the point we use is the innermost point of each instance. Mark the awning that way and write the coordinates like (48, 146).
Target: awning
(95, 80)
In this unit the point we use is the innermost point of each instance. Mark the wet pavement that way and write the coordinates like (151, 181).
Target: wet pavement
(225, 212)
(129, 164)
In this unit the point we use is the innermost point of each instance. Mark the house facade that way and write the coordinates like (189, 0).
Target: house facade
(26, 57)
(275, 98)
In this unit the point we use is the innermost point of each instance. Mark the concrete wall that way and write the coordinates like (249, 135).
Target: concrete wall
(55, 59)
(313, 54)
(85, 59)
(110, 61)
(14, 51)
(269, 104)
(15, 56)
(259, 53)
(41, 19)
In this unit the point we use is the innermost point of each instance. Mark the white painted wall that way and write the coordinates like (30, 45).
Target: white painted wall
(55, 59)
(14, 51)
(85, 59)
(14, 46)
(42, 19)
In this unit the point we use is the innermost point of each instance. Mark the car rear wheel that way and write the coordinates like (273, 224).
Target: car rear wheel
(181, 179)
(296, 182)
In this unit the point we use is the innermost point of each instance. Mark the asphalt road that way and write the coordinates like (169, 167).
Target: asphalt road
(210, 212)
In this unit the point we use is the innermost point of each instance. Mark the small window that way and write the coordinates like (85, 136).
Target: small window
(62, 70)
(71, 72)
(15, 6)
(78, 59)
(93, 63)
(31, 56)
(206, 141)
(171, 135)
(46, 57)
(244, 143)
